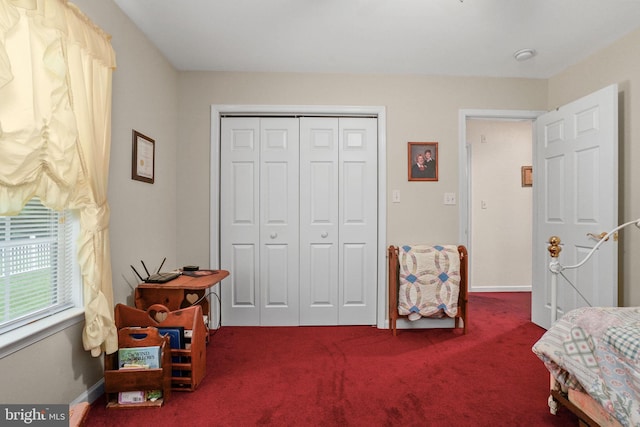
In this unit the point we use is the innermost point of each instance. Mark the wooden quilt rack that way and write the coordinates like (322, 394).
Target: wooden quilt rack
(394, 284)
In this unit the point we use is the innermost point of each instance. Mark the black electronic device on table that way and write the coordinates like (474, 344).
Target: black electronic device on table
(156, 277)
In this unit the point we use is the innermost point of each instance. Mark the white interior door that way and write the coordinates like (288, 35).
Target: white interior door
(358, 198)
(575, 195)
(240, 219)
(259, 220)
(338, 221)
(319, 226)
(279, 192)
(299, 226)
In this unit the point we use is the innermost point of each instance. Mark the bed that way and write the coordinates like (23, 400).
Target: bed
(428, 281)
(593, 356)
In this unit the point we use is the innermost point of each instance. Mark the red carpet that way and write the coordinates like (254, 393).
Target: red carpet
(363, 376)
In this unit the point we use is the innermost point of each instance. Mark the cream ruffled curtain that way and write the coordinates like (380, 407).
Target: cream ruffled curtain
(55, 133)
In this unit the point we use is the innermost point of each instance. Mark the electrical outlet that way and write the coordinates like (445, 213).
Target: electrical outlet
(449, 198)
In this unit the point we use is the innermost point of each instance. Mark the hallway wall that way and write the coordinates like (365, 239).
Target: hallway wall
(501, 208)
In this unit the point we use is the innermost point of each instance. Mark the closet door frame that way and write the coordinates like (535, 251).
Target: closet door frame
(218, 111)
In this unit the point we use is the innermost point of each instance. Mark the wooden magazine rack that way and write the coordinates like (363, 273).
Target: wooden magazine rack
(191, 367)
(122, 380)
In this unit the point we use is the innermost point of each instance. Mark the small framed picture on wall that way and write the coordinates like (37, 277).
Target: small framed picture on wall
(423, 161)
(527, 176)
(143, 158)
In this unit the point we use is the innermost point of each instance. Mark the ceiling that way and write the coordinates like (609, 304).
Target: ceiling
(434, 37)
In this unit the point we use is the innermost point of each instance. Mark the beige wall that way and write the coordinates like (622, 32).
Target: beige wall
(501, 208)
(419, 108)
(143, 216)
(619, 63)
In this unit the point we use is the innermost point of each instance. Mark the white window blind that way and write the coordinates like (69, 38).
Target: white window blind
(36, 265)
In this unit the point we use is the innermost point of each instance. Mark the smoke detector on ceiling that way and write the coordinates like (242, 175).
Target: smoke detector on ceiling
(524, 54)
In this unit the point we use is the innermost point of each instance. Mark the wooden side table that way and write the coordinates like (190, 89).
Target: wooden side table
(184, 291)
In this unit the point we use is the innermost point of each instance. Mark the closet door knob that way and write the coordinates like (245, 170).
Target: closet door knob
(324, 234)
(274, 235)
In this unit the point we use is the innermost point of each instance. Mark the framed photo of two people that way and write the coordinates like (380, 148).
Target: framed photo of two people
(423, 161)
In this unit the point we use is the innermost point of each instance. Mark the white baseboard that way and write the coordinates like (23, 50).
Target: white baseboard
(515, 288)
(90, 395)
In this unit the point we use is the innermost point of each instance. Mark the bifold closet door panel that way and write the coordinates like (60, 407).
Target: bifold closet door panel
(279, 216)
(358, 220)
(319, 228)
(240, 220)
(338, 221)
(259, 220)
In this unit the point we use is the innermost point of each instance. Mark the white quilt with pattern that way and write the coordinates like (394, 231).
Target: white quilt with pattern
(429, 281)
(597, 350)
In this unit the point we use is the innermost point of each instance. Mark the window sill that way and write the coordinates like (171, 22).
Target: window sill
(36, 331)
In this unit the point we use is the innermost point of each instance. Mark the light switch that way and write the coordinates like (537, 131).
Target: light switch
(449, 198)
(483, 204)
(395, 198)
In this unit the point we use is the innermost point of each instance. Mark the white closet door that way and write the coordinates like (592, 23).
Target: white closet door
(259, 220)
(319, 221)
(299, 221)
(358, 219)
(240, 219)
(338, 221)
(279, 217)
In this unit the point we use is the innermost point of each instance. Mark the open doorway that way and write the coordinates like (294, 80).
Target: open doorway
(496, 209)
(501, 206)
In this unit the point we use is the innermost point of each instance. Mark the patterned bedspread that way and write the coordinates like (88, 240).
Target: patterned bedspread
(429, 281)
(597, 350)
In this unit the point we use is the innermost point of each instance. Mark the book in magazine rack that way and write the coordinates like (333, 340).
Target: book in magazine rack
(122, 380)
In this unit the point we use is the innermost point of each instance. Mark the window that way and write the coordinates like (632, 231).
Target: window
(38, 269)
